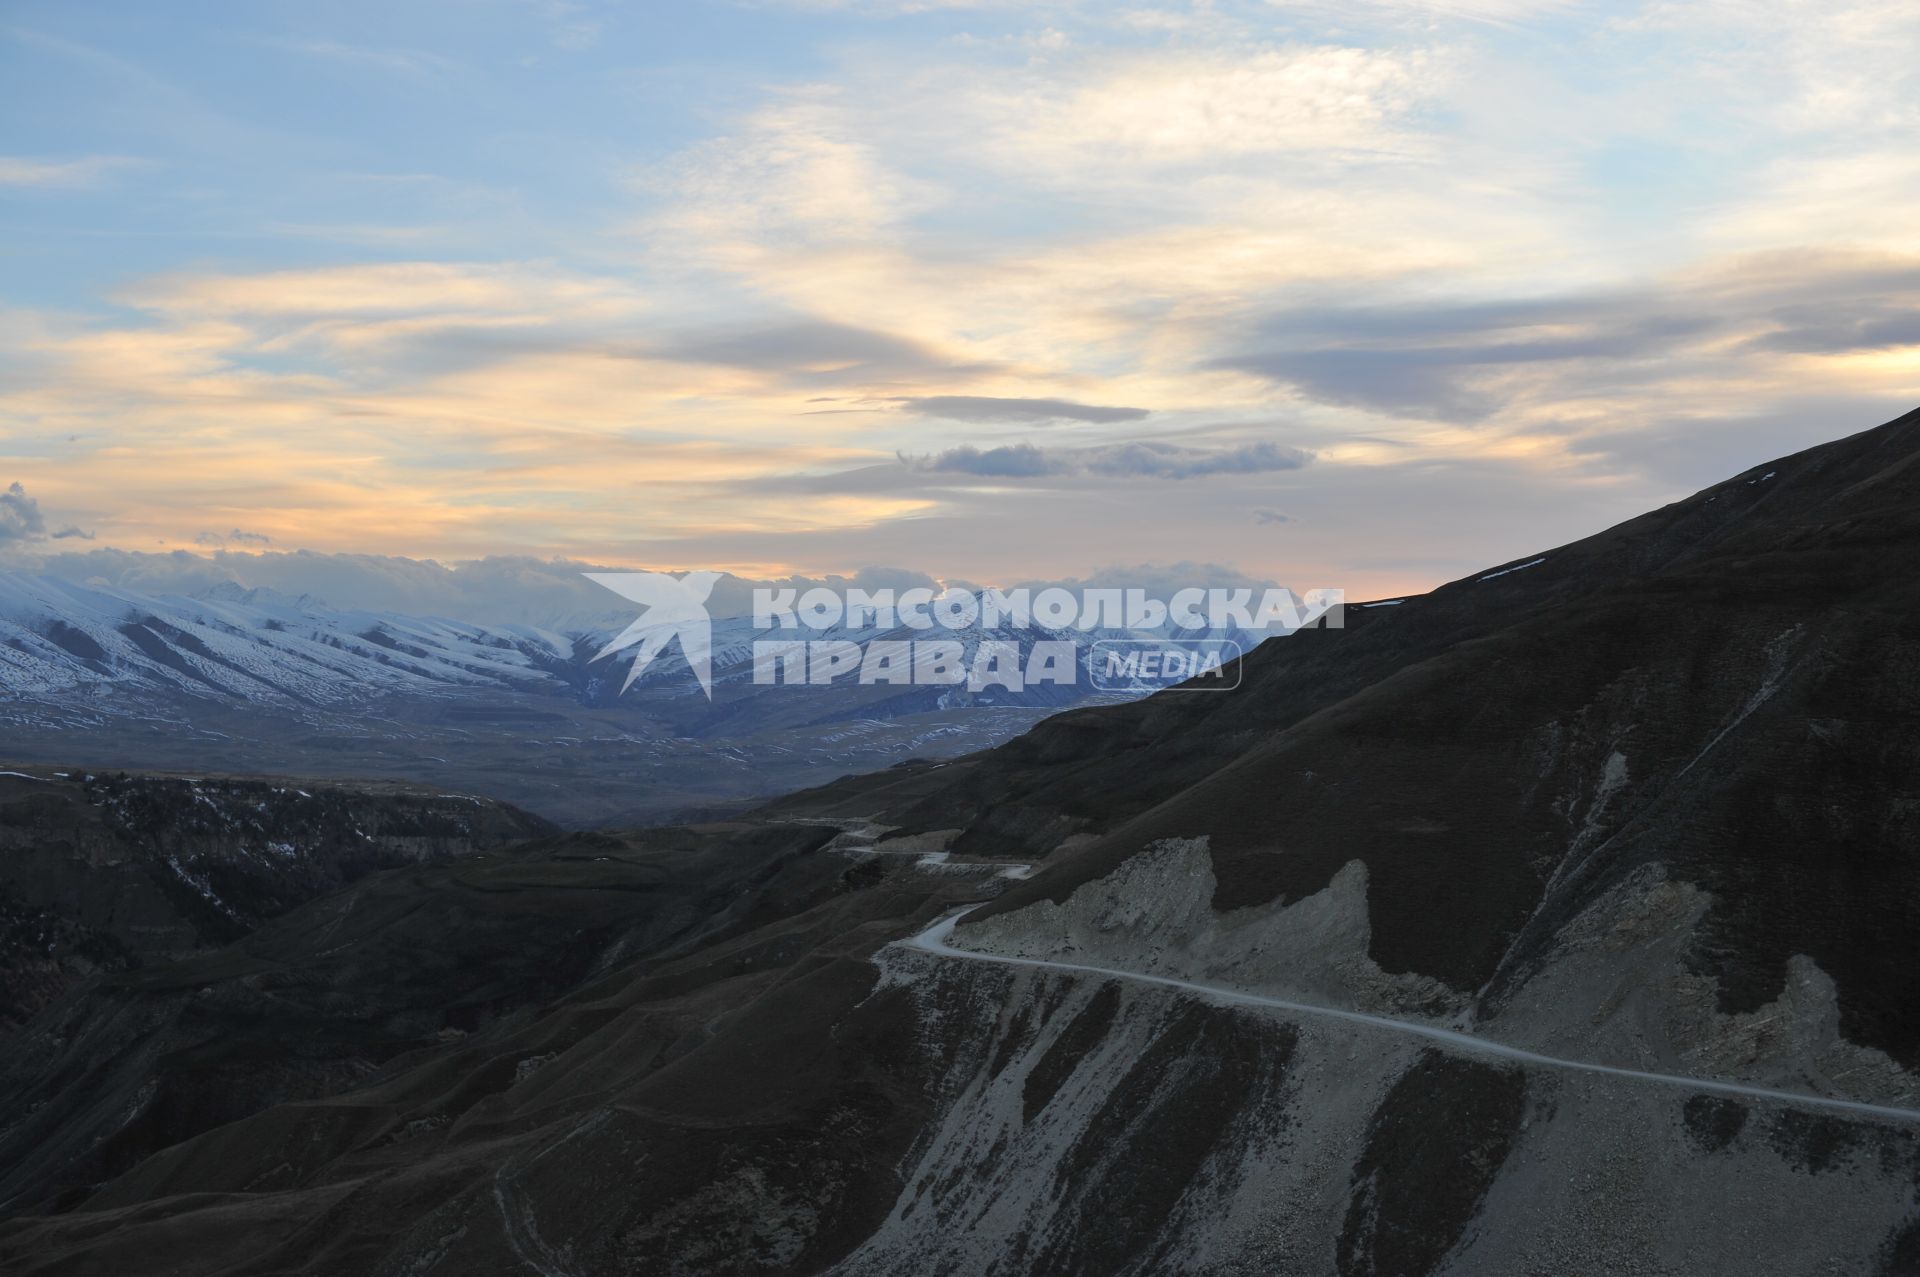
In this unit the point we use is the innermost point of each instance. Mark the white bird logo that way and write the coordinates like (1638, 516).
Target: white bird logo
(675, 606)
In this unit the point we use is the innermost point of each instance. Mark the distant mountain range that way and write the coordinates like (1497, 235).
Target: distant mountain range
(58, 637)
(248, 680)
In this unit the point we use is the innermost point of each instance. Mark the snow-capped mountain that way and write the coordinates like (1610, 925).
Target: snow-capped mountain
(59, 636)
(250, 680)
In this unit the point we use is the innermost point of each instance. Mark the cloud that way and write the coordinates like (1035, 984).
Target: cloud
(1832, 328)
(985, 408)
(1147, 460)
(1364, 528)
(1466, 362)
(77, 174)
(22, 522)
(1271, 516)
(1156, 580)
(381, 289)
(1497, 12)
(796, 172)
(810, 348)
(405, 62)
(575, 37)
(20, 517)
(1447, 362)
(1016, 461)
(1513, 242)
(1701, 448)
(1175, 109)
(235, 537)
(893, 8)
(365, 234)
(1842, 67)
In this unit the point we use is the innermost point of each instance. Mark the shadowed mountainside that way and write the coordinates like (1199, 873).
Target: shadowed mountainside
(106, 871)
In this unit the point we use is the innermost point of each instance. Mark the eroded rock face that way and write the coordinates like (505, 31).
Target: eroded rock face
(1154, 914)
(1617, 986)
(1614, 989)
(1450, 1162)
(1268, 1143)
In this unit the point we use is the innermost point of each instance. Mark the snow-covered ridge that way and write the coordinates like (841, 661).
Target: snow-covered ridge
(58, 635)
(59, 638)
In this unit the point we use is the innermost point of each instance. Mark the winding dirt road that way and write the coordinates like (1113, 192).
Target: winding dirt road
(937, 939)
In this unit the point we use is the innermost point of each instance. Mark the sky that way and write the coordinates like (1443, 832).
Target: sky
(1363, 295)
